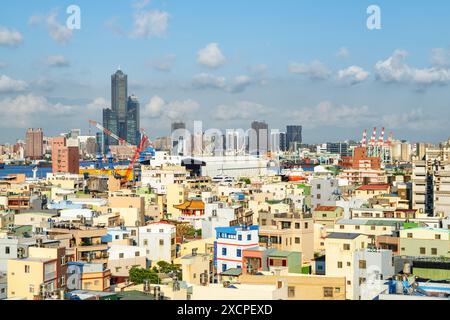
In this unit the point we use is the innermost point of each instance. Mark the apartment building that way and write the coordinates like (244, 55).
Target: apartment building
(122, 258)
(159, 241)
(327, 215)
(229, 244)
(425, 242)
(159, 178)
(44, 271)
(196, 268)
(288, 232)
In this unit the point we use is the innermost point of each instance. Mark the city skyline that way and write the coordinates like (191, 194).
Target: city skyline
(225, 75)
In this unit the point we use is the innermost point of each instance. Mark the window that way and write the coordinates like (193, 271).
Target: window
(240, 237)
(161, 230)
(31, 288)
(437, 237)
(328, 292)
(318, 196)
(239, 253)
(423, 250)
(346, 246)
(116, 237)
(357, 227)
(133, 232)
(297, 226)
(342, 226)
(145, 242)
(224, 251)
(120, 255)
(224, 267)
(27, 269)
(372, 227)
(362, 264)
(348, 264)
(161, 242)
(410, 235)
(318, 187)
(434, 251)
(137, 254)
(339, 264)
(306, 225)
(291, 292)
(297, 240)
(249, 237)
(7, 250)
(337, 290)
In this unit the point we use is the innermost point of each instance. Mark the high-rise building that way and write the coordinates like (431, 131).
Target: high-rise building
(123, 118)
(178, 138)
(34, 144)
(133, 121)
(65, 158)
(259, 139)
(294, 137)
(341, 148)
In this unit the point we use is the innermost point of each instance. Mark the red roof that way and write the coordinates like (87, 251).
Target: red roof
(374, 187)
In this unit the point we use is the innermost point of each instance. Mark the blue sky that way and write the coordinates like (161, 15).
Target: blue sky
(227, 63)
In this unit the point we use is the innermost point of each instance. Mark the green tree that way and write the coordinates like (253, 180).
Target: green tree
(139, 275)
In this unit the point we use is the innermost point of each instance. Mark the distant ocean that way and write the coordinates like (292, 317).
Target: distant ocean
(42, 172)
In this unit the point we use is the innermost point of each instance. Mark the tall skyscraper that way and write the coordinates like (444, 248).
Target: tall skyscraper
(293, 137)
(178, 139)
(34, 144)
(123, 118)
(261, 137)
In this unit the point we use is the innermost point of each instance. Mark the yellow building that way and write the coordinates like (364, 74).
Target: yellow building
(176, 195)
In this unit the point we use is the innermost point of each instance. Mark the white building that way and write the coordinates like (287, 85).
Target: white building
(158, 239)
(234, 166)
(159, 178)
(217, 214)
(229, 244)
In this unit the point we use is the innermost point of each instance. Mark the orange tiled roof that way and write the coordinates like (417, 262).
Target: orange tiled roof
(374, 187)
(191, 205)
(326, 208)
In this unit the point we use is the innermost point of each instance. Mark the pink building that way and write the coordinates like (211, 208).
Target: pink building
(65, 159)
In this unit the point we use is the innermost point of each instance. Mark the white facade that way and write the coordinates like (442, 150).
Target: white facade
(234, 166)
(158, 239)
(229, 244)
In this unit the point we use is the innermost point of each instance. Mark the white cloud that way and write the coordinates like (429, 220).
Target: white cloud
(440, 57)
(26, 110)
(208, 81)
(57, 31)
(211, 56)
(10, 37)
(415, 119)
(343, 53)
(395, 69)
(327, 114)
(316, 70)
(164, 64)
(58, 61)
(175, 110)
(352, 75)
(8, 85)
(240, 110)
(98, 104)
(140, 4)
(149, 24)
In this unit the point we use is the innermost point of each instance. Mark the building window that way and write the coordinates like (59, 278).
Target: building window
(328, 292)
(348, 264)
(423, 250)
(437, 237)
(27, 269)
(342, 226)
(31, 288)
(337, 290)
(240, 237)
(145, 242)
(224, 251)
(372, 227)
(7, 250)
(133, 232)
(137, 254)
(120, 255)
(291, 292)
(357, 227)
(346, 246)
(410, 235)
(362, 264)
(297, 226)
(306, 225)
(117, 237)
(249, 237)
(239, 253)
(434, 251)
(297, 240)
(224, 267)
(339, 264)
(161, 242)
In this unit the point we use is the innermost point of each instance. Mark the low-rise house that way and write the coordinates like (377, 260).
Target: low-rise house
(159, 241)
(425, 242)
(122, 258)
(327, 215)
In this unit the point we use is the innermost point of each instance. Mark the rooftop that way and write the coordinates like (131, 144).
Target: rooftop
(374, 187)
(346, 236)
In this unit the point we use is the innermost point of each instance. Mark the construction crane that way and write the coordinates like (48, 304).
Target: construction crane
(136, 156)
(110, 133)
(364, 139)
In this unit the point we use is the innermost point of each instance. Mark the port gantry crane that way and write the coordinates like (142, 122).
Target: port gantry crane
(137, 150)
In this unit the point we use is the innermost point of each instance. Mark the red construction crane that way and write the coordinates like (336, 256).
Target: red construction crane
(374, 136)
(136, 155)
(381, 139)
(364, 139)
